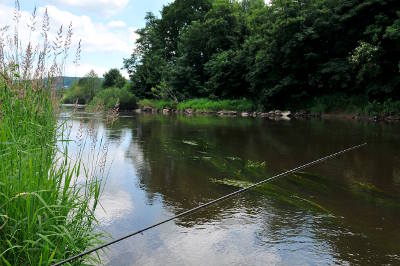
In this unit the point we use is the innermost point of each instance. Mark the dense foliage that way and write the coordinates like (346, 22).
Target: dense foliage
(84, 90)
(282, 54)
(113, 78)
(110, 97)
(108, 92)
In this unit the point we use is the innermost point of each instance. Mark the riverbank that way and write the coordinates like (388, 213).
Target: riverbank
(246, 108)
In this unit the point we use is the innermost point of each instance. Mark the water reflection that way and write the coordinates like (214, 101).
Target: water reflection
(163, 165)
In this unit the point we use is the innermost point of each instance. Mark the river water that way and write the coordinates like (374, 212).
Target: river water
(344, 211)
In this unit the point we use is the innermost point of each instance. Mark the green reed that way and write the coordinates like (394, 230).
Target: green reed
(45, 213)
(46, 210)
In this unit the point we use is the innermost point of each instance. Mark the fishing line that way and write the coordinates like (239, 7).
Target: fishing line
(333, 155)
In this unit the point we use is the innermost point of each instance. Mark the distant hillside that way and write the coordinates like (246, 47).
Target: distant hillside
(66, 82)
(69, 81)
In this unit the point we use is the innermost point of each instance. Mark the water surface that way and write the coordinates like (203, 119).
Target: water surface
(344, 211)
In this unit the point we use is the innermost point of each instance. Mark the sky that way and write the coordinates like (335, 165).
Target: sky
(106, 27)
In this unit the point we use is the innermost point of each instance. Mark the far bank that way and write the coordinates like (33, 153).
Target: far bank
(319, 108)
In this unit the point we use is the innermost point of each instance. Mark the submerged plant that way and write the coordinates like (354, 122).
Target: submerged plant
(192, 143)
(253, 164)
(232, 182)
(277, 193)
(371, 194)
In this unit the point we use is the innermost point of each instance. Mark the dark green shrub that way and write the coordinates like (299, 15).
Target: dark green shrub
(111, 96)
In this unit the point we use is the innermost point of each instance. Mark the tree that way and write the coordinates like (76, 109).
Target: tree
(113, 78)
(227, 71)
(176, 18)
(279, 54)
(145, 66)
(91, 82)
(218, 31)
(84, 90)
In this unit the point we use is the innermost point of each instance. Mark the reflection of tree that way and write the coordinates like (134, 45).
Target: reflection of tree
(176, 171)
(115, 131)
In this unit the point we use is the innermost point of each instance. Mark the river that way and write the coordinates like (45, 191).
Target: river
(343, 211)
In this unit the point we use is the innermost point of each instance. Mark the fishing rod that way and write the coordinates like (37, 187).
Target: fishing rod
(301, 167)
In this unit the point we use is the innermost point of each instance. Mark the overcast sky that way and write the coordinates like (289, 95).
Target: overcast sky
(106, 27)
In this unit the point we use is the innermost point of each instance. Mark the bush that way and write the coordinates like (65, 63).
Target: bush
(391, 107)
(353, 104)
(337, 102)
(76, 94)
(111, 96)
(157, 104)
(388, 107)
(84, 90)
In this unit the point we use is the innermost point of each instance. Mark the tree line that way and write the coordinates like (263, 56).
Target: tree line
(280, 54)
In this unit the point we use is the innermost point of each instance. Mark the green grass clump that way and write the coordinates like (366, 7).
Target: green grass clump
(387, 107)
(157, 104)
(46, 215)
(358, 104)
(217, 105)
(337, 102)
(201, 105)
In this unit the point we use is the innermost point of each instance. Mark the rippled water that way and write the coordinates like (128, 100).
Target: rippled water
(347, 210)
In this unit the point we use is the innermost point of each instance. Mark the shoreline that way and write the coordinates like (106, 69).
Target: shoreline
(274, 114)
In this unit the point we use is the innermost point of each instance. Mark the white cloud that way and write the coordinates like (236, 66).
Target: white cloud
(115, 203)
(84, 68)
(96, 37)
(116, 24)
(6, 19)
(104, 7)
(103, 45)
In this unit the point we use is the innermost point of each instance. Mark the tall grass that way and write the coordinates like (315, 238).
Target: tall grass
(201, 104)
(217, 105)
(46, 211)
